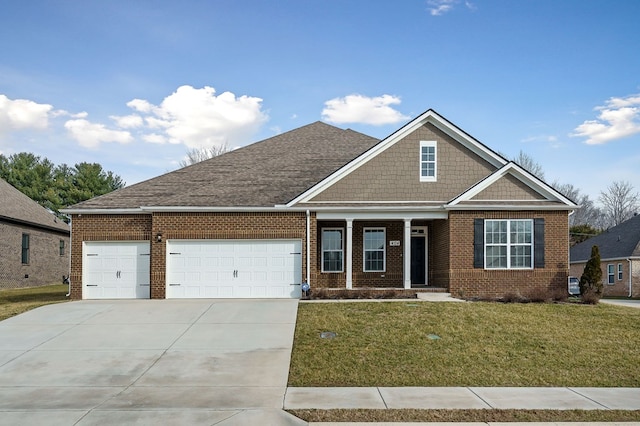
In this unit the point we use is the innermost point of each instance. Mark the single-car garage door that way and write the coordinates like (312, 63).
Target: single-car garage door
(234, 268)
(115, 270)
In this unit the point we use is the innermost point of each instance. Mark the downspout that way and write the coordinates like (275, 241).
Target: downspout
(70, 248)
(308, 248)
(630, 278)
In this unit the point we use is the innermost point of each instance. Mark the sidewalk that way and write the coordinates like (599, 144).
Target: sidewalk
(463, 398)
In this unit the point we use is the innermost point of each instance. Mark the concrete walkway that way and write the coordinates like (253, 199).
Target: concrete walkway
(148, 362)
(464, 398)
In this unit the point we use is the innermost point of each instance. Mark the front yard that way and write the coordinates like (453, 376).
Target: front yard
(466, 344)
(17, 301)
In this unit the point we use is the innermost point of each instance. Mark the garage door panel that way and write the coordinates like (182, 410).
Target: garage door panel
(234, 268)
(116, 270)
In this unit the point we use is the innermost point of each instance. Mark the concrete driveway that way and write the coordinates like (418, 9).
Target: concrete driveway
(222, 362)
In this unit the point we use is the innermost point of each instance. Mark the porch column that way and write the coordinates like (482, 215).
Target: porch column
(407, 253)
(349, 254)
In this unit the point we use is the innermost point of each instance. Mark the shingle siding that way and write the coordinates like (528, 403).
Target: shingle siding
(508, 188)
(393, 175)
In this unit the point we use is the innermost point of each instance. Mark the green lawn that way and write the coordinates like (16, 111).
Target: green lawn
(14, 302)
(480, 344)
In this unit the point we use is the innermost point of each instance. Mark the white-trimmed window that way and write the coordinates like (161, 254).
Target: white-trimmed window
(428, 161)
(508, 244)
(619, 271)
(374, 242)
(611, 274)
(332, 250)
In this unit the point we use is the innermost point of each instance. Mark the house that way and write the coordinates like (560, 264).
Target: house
(34, 243)
(427, 207)
(619, 248)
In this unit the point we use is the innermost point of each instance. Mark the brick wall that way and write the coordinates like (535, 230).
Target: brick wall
(46, 266)
(439, 253)
(620, 288)
(103, 228)
(467, 281)
(209, 226)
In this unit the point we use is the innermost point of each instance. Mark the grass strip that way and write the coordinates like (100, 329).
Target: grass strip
(17, 301)
(467, 415)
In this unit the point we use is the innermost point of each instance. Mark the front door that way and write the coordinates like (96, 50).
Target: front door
(418, 259)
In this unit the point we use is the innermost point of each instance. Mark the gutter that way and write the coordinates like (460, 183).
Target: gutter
(70, 248)
(630, 278)
(308, 248)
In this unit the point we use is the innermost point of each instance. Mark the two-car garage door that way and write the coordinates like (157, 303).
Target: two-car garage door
(195, 269)
(233, 268)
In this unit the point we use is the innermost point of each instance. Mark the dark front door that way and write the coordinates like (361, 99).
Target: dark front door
(418, 265)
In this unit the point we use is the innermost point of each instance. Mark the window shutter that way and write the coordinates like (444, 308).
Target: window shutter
(478, 243)
(538, 243)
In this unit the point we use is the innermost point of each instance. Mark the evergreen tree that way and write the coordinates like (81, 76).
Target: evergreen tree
(591, 279)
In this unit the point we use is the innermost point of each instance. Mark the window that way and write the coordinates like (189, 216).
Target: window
(611, 274)
(374, 249)
(61, 247)
(428, 163)
(332, 252)
(25, 249)
(508, 244)
(619, 271)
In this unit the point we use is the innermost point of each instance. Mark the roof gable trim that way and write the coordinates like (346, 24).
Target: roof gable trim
(523, 176)
(430, 116)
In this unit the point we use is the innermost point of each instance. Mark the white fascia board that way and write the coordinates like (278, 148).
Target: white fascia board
(429, 116)
(213, 209)
(381, 215)
(522, 175)
(512, 207)
(104, 211)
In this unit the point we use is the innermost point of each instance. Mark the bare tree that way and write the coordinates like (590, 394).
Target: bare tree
(588, 213)
(197, 155)
(527, 162)
(619, 202)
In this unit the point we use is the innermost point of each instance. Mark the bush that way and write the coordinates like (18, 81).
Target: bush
(591, 279)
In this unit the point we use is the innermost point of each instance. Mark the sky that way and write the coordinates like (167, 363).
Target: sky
(134, 85)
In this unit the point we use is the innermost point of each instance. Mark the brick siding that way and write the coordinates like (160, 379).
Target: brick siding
(46, 266)
(620, 288)
(467, 281)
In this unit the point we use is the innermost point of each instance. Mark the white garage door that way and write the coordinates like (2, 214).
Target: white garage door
(234, 268)
(115, 270)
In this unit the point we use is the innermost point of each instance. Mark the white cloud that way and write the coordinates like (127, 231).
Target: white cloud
(128, 121)
(18, 114)
(362, 109)
(90, 135)
(154, 138)
(440, 7)
(618, 118)
(198, 118)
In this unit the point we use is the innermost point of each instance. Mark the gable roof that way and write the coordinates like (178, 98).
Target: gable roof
(264, 174)
(18, 208)
(511, 169)
(552, 198)
(622, 241)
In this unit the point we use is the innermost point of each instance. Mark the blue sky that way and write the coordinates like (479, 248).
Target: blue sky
(134, 85)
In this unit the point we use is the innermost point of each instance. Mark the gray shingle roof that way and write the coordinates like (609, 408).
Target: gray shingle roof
(17, 207)
(621, 241)
(264, 174)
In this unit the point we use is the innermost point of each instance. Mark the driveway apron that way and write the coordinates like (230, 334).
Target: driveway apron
(147, 361)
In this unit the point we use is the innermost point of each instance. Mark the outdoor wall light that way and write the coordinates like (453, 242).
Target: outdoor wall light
(159, 237)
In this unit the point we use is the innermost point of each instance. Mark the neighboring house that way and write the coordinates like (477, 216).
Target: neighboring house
(34, 243)
(428, 206)
(619, 256)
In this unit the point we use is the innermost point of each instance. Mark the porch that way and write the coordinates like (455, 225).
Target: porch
(382, 252)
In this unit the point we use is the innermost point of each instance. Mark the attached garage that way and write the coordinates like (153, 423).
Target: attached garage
(234, 268)
(116, 270)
